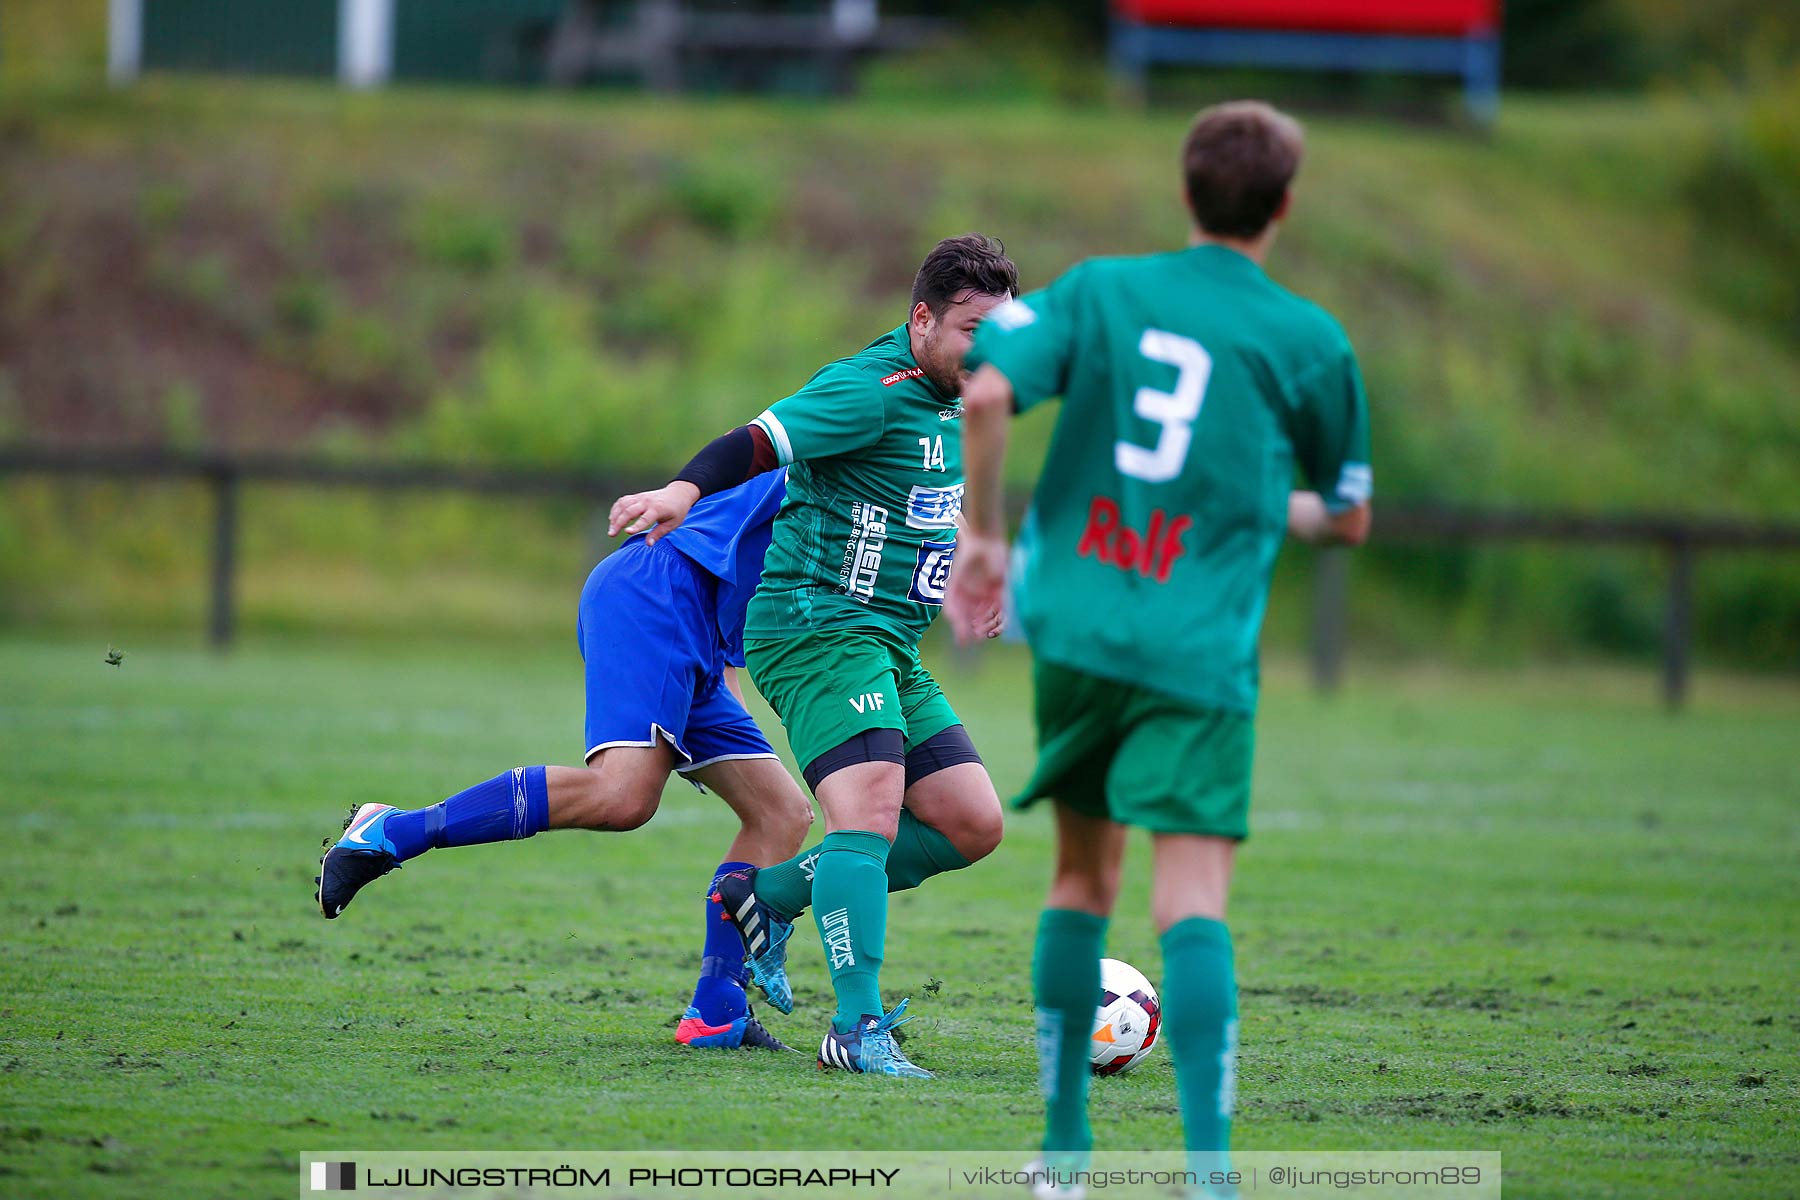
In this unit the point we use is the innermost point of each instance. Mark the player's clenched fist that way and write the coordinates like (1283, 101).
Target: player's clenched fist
(659, 512)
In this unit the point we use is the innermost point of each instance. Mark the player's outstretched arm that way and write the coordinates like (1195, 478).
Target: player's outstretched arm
(727, 461)
(978, 575)
(1310, 520)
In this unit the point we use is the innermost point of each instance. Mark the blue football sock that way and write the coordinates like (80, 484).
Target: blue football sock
(505, 808)
(719, 995)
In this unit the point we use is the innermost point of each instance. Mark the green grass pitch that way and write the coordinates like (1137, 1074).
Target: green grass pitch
(1526, 915)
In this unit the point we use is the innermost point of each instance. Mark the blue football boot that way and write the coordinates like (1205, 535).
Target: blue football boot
(745, 1033)
(870, 1048)
(765, 935)
(362, 855)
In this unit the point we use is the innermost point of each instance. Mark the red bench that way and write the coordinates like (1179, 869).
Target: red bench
(1441, 37)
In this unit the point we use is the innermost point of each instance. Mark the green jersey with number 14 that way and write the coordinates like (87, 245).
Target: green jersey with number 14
(866, 534)
(1192, 386)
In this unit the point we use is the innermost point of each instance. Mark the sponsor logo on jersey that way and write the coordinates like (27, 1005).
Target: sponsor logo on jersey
(836, 927)
(1014, 314)
(932, 572)
(862, 552)
(1151, 553)
(934, 508)
(950, 414)
(901, 376)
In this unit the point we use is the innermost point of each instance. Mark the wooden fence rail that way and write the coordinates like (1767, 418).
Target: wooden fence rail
(1682, 538)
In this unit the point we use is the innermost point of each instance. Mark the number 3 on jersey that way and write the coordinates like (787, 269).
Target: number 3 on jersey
(1175, 411)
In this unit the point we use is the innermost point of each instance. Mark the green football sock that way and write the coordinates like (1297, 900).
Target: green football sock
(918, 853)
(1199, 1001)
(1065, 979)
(787, 886)
(850, 906)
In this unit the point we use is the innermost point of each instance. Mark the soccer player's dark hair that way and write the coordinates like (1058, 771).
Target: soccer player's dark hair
(959, 266)
(1237, 161)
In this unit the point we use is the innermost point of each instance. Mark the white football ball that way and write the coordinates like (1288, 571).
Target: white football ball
(1127, 1021)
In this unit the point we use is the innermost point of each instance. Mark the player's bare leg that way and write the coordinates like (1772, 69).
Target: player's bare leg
(863, 796)
(618, 790)
(1090, 859)
(1199, 991)
(773, 813)
(961, 804)
(1193, 876)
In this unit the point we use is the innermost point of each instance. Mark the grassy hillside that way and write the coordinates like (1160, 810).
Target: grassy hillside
(1543, 317)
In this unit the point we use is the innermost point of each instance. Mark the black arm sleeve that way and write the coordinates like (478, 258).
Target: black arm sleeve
(728, 460)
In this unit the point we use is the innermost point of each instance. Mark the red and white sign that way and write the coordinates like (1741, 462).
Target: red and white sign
(1453, 18)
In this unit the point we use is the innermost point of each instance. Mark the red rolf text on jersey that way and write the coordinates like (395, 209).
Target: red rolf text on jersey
(1151, 553)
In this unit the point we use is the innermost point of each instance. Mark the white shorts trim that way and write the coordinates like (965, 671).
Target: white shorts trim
(719, 758)
(656, 732)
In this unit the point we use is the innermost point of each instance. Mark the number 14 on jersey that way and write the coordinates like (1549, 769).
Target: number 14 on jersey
(933, 450)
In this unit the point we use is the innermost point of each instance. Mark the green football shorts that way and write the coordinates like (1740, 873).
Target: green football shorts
(827, 686)
(1127, 754)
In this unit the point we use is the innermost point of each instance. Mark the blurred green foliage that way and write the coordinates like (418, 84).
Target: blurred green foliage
(1572, 43)
(449, 232)
(52, 42)
(1578, 312)
(1679, 39)
(1745, 194)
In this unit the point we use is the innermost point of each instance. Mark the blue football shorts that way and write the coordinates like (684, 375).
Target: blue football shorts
(649, 634)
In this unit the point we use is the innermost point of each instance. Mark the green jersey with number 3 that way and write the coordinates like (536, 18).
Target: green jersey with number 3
(866, 534)
(1193, 386)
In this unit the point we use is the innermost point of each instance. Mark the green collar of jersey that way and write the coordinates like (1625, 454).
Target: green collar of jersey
(1225, 256)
